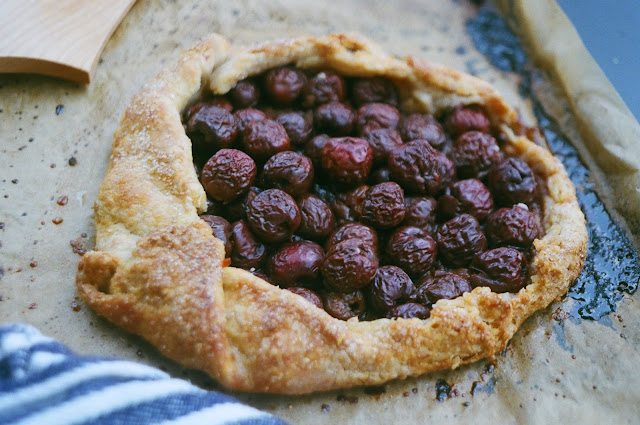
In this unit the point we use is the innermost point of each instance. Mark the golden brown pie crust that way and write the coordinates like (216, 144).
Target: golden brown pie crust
(158, 272)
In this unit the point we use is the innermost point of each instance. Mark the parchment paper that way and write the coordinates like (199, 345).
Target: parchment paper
(557, 369)
(608, 129)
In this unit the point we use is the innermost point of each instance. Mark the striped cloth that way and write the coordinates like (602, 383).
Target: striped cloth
(44, 383)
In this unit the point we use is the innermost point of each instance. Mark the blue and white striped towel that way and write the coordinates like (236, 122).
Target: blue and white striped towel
(42, 382)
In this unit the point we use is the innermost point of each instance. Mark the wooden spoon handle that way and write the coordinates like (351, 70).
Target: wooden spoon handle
(58, 38)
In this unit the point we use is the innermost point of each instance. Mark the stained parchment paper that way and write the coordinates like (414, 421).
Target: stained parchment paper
(608, 129)
(55, 141)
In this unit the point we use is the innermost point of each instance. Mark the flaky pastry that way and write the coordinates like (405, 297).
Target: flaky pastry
(158, 272)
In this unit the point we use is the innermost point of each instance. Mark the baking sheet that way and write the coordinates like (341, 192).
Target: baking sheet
(55, 143)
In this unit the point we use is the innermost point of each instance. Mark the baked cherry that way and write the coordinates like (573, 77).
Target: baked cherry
(316, 218)
(245, 94)
(377, 115)
(425, 127)
(314, 148)
(441, 285)
(420, 169)
(462, 271)
(334, 118)
(217, 101)
(222, 102)
(474, 198)
(469, 196)
(383, 206)
(324, 87)
(460, 239)
(374, 89)
(412, 249)
(221, 229)
(515, 226)
(354, 199)
(382, 141)
(262, 139)
(390, 286)
(308, 295)
(288, 171)
(297, 126)
(409, 311)
(342, 213)
(466, 118)
(273, 215)
(349, 265)
(212, 128)
(474, 153)
(284, 84)
(248, 252)
(512, 182)
(420, 212)
(228, 174)
(501, 269)
(296, 264)
(347, 160)
(355, 231)
(344, 306)
(245, 116)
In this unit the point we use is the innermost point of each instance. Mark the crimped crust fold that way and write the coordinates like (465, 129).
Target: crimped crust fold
(158, 272)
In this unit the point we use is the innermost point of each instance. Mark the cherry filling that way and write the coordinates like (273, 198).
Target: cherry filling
(319, 184)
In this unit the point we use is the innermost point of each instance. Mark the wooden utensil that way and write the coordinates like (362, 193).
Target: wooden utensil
(61, 38)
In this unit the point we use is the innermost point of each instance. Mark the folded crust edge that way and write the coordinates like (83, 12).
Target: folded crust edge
(158, 272)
